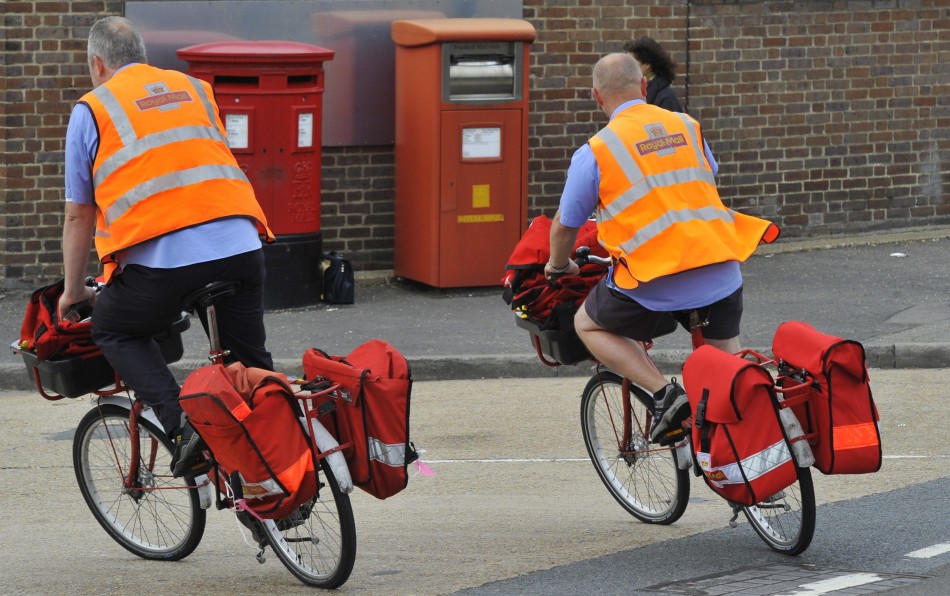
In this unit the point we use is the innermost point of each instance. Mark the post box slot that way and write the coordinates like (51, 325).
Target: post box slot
(301, 80)
(481, 72)
(237, 81)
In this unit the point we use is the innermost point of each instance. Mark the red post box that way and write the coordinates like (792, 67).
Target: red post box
(270, 94)
(461, 147)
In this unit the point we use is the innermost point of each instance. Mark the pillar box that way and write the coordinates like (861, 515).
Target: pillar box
(270, 95)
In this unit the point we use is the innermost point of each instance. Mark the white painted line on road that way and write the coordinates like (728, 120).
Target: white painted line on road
(834, 584)
(506, 460)
(531, 460)
(930, 551)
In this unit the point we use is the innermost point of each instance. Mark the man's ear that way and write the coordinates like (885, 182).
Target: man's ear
(643, 86)
(597, 97)
(97, 68)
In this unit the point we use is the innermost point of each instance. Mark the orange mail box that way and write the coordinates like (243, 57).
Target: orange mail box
(461, 128)
(270, 94)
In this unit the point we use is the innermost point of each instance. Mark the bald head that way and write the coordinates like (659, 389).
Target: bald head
(617, 77)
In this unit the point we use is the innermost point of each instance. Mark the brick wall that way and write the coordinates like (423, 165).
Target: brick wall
(828, 117)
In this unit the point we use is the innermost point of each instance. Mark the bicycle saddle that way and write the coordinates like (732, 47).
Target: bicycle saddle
(209, 294)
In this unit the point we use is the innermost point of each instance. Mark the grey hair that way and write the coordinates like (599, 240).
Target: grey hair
(116, 42)
(617, 74)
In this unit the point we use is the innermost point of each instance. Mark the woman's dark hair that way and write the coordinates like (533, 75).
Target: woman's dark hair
(648, 51)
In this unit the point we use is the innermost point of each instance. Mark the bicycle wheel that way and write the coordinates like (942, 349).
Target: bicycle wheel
(786, 521)
(317, 543)
(643, 478)
(158, 518)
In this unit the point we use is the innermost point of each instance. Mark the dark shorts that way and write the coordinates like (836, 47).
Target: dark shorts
(625, 316)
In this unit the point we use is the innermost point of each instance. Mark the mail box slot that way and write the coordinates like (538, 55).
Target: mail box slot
(481, 72)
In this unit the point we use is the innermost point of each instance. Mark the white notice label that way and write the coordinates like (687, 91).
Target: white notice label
(237, 125)
(305, 129)
(481, 143)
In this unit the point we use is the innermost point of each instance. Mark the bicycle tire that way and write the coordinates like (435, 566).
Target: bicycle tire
(318, 542)
(160, 519)
(787, 524)
(643, 478)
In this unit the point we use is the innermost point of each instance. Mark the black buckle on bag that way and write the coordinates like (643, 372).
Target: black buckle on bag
(700, 421)
(326, 407)
(317, 385)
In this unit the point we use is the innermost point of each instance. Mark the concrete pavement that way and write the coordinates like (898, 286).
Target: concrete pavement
(887, 290)
(514, 494)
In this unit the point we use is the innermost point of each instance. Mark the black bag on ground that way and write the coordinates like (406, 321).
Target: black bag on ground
(339, 287)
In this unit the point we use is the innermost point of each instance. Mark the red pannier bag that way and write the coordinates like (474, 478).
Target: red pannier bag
(370, 419)
(249, 419)
(737, 438)
(841, 411)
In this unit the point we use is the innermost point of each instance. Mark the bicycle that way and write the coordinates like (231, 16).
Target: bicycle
(122, 457)
(651, 482)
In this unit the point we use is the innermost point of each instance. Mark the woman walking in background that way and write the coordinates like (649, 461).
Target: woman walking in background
(658, 68)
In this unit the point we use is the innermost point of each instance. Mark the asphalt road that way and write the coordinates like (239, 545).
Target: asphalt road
(515, 507)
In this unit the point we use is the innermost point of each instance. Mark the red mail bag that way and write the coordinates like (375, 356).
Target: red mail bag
(737, 438)
(46, 336)
(249, 419)
(370, 417)
(841, 411)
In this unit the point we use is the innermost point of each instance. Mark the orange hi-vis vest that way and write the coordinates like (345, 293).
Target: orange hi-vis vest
(659, 212)
(163, 162)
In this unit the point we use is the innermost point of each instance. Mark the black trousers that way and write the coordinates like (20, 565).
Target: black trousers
(142, 302)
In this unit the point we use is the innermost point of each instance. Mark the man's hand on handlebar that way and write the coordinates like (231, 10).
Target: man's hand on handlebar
(552, 272)
(79, 307)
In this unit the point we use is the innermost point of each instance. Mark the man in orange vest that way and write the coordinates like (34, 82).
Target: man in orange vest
(675, 247)
(149, 171)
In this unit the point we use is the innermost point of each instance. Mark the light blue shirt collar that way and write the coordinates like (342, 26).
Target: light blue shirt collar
(624, 106)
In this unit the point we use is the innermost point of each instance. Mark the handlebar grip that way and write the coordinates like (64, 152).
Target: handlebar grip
(90, 281)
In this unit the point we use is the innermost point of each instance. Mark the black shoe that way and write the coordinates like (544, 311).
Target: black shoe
(670, 410)
(188, 458)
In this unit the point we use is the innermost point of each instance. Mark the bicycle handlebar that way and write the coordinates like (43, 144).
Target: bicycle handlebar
(582, 256)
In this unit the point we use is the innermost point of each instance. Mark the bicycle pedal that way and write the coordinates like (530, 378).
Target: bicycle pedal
(674, 436)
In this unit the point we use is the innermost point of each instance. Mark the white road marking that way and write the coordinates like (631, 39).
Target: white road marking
(835, 583)
(503, 460)
(930, 551)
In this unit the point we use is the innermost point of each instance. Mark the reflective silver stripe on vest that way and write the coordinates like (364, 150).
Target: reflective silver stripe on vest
(134, 147)
(200, 90)
(391, 455)
(619, 151)
(169, 181)
(695, 142)
(643, 185)
(120, 120)
(650, 183)
(660, 224)
(152, 141)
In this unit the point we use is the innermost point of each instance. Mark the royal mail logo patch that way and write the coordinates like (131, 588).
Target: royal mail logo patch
(159, 96)
(660, 142)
